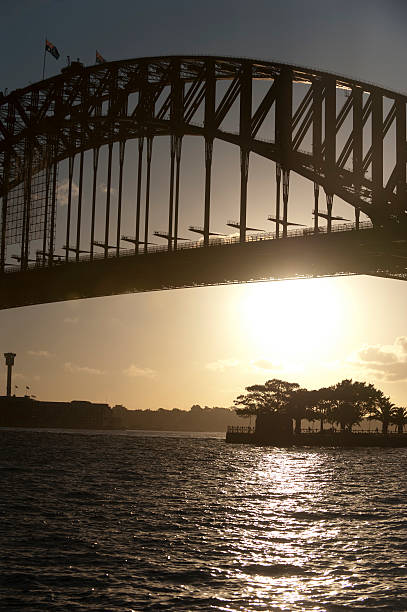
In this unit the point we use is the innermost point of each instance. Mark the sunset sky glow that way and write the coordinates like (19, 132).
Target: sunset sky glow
(204, 345)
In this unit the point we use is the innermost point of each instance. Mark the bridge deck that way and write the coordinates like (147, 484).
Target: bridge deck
(368, 251)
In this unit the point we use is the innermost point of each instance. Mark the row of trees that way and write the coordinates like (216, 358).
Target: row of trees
(197, 418)
(346, 403)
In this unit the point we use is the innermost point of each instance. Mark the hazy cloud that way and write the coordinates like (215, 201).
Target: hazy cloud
(264, 364)
(376, 354)
(387, 362)
(136, 371)
(39, 353)
(63, 189)
(336, 364)
(72, 320)
(19, 376)
(222, 364)
(103, 189)
(73, 368)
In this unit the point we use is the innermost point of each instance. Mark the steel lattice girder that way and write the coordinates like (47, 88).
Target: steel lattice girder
(84, 108)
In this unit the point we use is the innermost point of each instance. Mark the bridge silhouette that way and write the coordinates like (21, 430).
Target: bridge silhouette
(345, 137)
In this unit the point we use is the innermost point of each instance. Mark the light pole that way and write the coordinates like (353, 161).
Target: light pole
(9, 363)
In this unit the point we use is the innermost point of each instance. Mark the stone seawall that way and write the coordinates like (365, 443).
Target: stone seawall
(348, 439)
(339, 439)
(240, 437)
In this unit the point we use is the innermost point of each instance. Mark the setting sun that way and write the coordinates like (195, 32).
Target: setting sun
(292, 319)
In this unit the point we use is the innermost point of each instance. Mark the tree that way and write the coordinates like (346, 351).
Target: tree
(383, 411)
(320, 407)
(351, 401)
(272, 397)
(300, 406)
(399, 418)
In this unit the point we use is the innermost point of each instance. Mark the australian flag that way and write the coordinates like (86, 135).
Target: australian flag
(99, 58)
(51, 49)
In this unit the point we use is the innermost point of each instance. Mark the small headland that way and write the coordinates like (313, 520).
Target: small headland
(281, 407)
(277, 430)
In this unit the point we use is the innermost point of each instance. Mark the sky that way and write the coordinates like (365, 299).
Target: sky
(204, 345)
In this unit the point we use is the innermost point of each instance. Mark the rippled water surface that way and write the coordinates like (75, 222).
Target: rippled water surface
(130, 521)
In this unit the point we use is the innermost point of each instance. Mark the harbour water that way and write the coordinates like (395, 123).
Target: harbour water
(159, 521)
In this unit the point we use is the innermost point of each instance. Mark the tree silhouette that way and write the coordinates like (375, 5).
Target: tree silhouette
(383, 411)
(345, 403)
(270, 398)
(320, 408)
(300, 406)
(399, 418)
(351, 401)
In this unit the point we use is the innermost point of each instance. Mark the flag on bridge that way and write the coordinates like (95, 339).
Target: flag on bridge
(51, 49)
(99, 58)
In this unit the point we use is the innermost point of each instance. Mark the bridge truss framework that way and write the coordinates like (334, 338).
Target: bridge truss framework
(85, 109)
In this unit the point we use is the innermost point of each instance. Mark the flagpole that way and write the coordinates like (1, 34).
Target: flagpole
(45, 55)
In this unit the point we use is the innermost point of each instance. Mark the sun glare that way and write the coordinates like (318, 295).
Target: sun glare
(293, 320)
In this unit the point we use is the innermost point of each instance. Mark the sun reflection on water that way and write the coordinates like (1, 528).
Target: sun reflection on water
(292, 524)
(207, 526)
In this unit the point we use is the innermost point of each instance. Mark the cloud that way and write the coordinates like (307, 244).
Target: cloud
(72, 320)
(39, 353)
(376, 354)
(222, 364)
(134, 371)
(63, 189)
(73, 368)
(264, 364)
(387, 362)
(19, 376)
(103, 189)
(335, 365)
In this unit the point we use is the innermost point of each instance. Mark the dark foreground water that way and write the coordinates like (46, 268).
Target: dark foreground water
(144, 522)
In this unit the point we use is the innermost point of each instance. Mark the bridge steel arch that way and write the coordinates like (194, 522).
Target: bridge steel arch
(85, 108)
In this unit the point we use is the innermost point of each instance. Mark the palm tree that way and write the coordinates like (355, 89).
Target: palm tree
(399, 418)
(383, 411)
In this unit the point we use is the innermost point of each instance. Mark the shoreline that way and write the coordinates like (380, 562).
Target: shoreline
(320, 439)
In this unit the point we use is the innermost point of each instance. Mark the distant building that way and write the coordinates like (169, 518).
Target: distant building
(28, 412)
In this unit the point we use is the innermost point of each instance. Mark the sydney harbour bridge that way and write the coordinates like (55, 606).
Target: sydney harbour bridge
(344, 137)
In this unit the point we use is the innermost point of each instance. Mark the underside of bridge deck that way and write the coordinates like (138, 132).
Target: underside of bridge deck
(371, 252)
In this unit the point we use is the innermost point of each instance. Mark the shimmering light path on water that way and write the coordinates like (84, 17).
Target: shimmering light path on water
(170, 522)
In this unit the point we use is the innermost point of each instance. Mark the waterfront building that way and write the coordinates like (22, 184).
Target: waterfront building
(78, 414)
